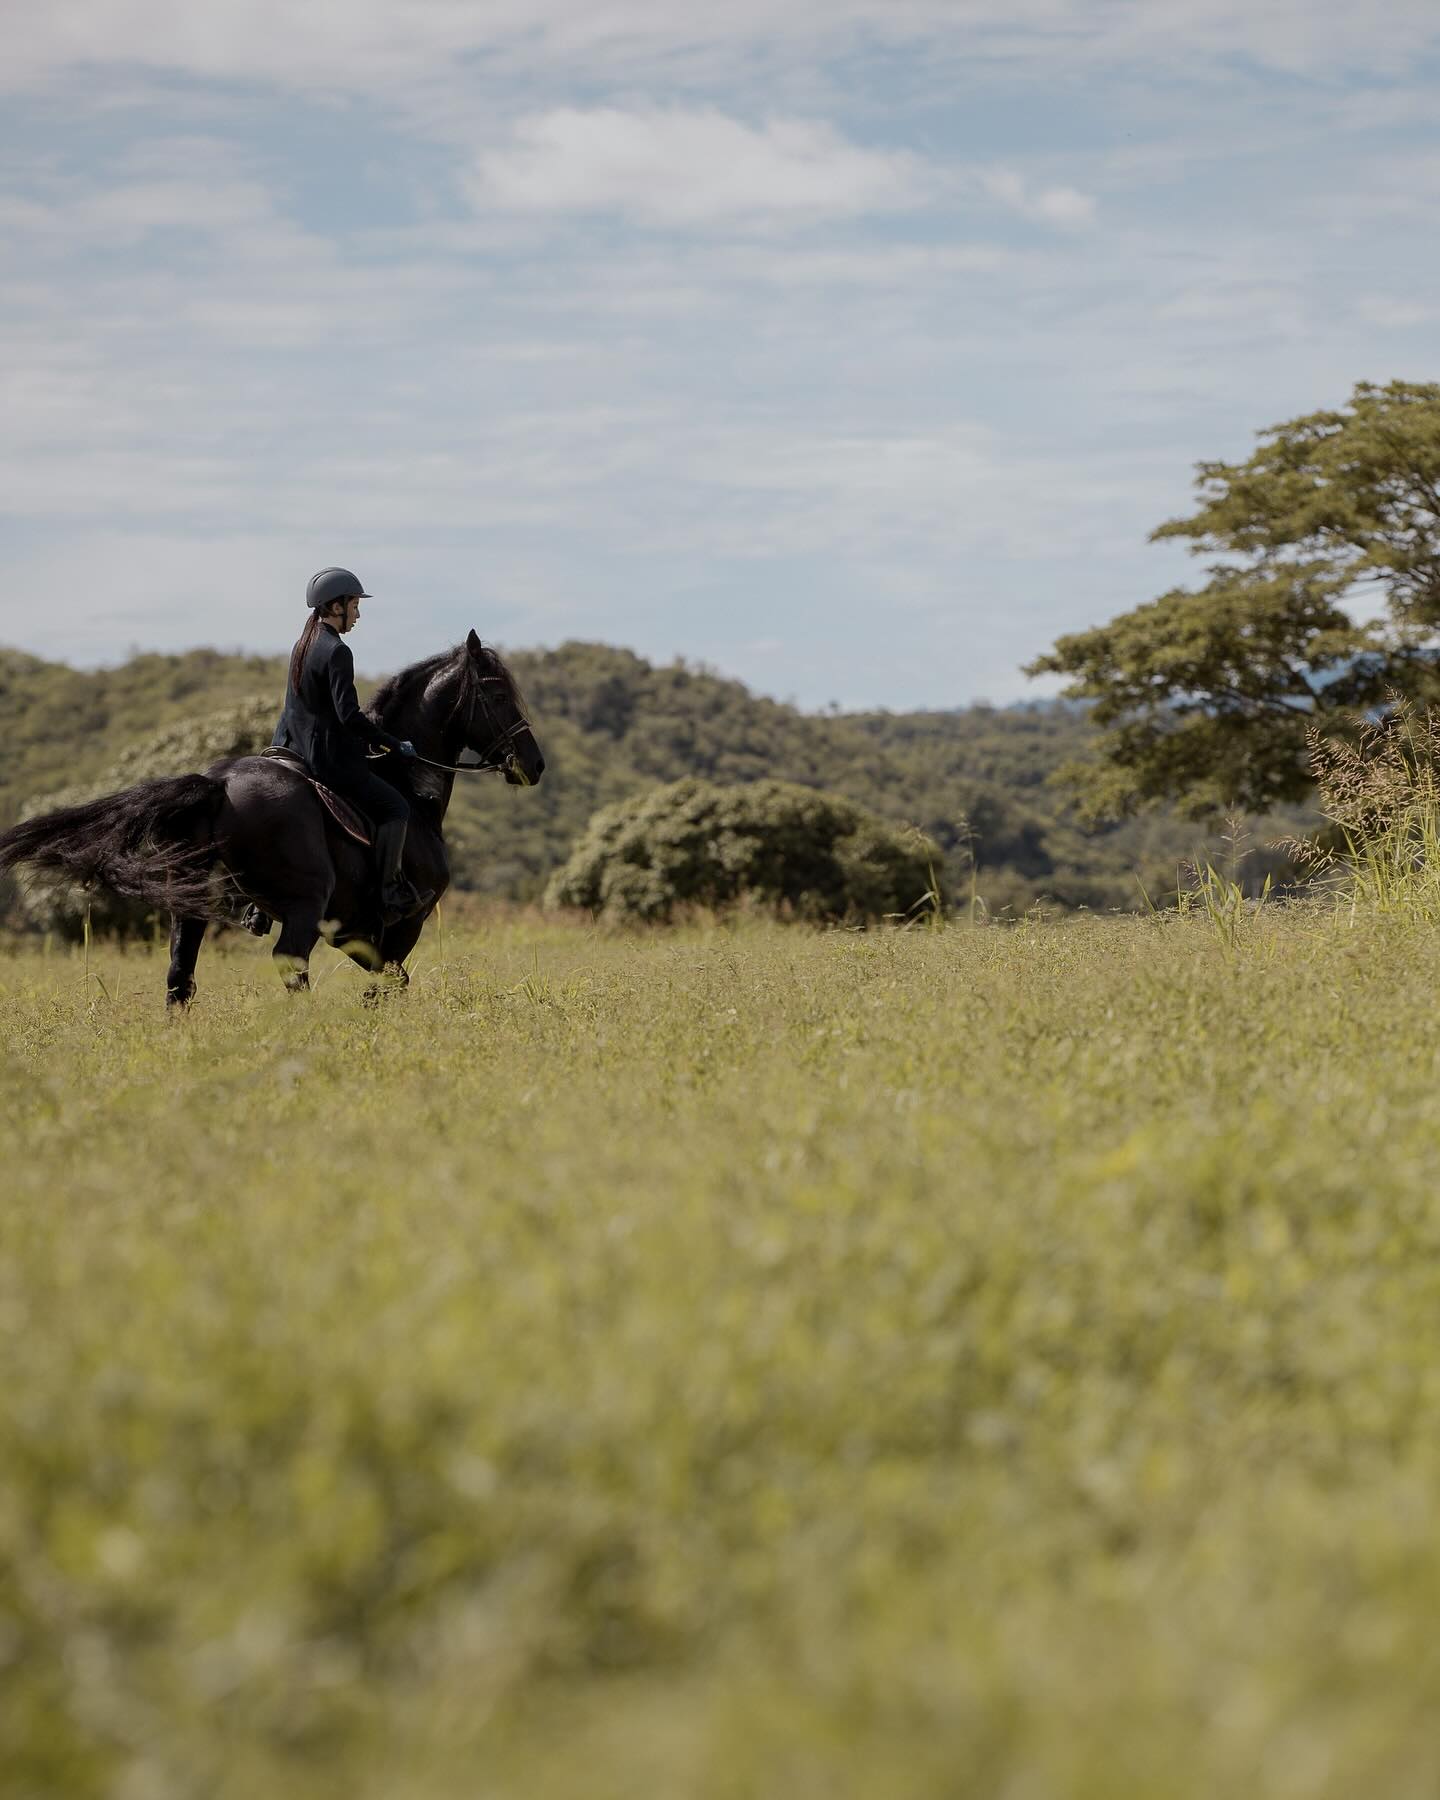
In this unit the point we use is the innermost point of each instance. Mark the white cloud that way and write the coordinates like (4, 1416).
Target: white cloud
(94, 594)
(1393, 314)
(932, 267)
(1298, 37)
(1384, 108)
(121, 215)
(1231, 303)
(702, 167)
(1063, 206)
(833, 371)
(348, 46)
(691, 167)
(203, 188)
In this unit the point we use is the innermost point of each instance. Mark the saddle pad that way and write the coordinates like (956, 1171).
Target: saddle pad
(349, 818)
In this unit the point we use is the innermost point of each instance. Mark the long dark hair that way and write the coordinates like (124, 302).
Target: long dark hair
(302, 649)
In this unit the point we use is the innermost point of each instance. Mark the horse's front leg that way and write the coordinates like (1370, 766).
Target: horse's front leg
(397, 943)
(387, 959)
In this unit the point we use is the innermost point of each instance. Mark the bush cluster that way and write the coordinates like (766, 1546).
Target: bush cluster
(809, 855)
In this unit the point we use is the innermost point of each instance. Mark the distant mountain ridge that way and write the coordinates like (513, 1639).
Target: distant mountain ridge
(975, 779)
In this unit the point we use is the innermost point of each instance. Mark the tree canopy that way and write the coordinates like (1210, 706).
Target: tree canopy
(1323, 600)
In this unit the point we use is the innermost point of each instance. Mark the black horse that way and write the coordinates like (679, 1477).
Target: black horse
(253, 829)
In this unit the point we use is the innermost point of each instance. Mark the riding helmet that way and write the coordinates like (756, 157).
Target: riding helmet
(333, 584)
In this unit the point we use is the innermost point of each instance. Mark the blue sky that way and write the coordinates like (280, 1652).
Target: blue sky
(852, 348)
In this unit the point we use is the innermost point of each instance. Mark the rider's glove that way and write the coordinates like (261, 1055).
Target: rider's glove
(406, 747)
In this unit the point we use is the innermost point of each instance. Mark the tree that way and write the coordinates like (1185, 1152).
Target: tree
(1325, 602)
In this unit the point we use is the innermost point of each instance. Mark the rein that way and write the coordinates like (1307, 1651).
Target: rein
(481, 767)
(475, 768)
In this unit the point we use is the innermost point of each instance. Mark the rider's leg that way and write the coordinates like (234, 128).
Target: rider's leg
(398, 898)
(390, 811)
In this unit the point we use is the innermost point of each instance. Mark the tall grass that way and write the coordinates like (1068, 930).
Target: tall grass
(1219, 896)
(1380, 795)
(728, 1363)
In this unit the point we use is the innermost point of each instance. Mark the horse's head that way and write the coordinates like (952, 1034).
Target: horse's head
(499, 732)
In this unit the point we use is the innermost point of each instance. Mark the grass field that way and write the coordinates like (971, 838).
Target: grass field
(996, 1362)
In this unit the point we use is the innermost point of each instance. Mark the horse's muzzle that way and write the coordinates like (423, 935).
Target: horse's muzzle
(518, 775)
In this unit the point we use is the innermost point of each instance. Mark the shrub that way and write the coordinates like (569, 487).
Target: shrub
(810, 855)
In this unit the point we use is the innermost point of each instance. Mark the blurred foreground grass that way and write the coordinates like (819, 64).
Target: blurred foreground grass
(994, 1362)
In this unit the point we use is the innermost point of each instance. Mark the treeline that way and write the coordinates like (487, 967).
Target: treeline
(61, 727)
(976, 780)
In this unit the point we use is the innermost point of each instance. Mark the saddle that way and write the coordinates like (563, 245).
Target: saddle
(349, 818)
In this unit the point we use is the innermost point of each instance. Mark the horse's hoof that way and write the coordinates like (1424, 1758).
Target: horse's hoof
(394, 979)
(294, 971)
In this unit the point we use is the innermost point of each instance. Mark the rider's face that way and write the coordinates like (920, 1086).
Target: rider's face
(344, 615)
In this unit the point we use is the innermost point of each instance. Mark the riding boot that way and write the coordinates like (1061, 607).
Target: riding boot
(399, 897)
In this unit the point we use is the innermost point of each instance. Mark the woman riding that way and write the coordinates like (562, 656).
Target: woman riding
(323, 724)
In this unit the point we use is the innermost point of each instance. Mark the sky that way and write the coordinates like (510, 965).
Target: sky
(849, 347)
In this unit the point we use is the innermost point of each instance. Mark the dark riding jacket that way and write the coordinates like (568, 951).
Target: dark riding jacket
(322, 720)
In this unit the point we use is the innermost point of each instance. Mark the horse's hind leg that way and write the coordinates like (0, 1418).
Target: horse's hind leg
(299, 933)
(186, 937)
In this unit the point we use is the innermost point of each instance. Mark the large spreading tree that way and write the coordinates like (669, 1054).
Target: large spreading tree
(1323, 599)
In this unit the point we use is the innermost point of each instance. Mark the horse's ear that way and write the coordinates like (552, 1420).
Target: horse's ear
(472, 644)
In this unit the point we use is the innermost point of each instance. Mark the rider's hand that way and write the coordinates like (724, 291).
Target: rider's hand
(406, 747)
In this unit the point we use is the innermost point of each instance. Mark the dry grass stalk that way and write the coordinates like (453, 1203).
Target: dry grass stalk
(1380, 795)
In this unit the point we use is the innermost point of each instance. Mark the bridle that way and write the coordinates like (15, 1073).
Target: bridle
(485, 763)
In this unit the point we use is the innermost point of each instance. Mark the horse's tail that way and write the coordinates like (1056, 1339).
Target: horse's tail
(154, 842)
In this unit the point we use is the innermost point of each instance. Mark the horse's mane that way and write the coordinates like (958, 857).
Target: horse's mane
(400, 690)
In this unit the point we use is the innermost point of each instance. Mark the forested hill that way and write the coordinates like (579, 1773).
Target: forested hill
(60, 726)
(610, 722)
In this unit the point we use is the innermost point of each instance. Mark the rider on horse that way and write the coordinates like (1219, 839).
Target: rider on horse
(323, 725)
